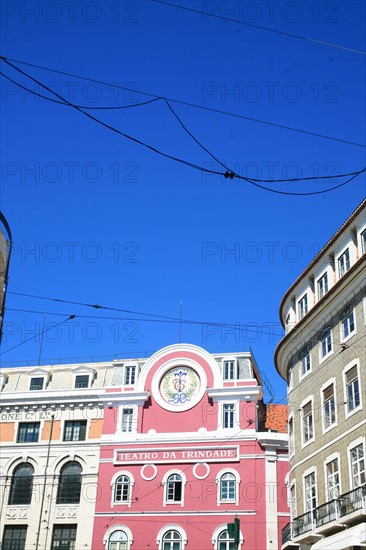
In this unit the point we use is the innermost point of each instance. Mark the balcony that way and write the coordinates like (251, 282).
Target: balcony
(333, 516)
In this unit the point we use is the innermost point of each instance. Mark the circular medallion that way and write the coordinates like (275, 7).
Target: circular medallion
(179, 386)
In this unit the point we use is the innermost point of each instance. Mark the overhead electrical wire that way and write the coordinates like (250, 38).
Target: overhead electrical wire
(268, 29)
(228, 174)
(186, 103)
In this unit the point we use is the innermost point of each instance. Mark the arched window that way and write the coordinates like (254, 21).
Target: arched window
(225, 542)
(172, 540)
(174, 488)
(21, 484)
(122, 489)
(228, 488)
(69, 484)
(118, 541)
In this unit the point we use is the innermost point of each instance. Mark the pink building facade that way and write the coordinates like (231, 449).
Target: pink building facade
(186, 447)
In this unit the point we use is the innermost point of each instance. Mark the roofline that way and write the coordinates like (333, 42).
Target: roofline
(320, 253)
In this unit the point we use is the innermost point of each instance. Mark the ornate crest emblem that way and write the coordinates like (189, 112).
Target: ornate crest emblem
(179, 385)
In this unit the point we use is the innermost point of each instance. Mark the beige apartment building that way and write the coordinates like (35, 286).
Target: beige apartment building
(323, 358)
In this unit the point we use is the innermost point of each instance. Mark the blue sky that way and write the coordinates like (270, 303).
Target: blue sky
(99, 219)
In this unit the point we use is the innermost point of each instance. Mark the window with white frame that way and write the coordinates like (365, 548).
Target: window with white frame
(82, 381)
(118, 541)
(228, 415)
(172, 540)
(130, 375)
(14, 537)
(174, 489)
(326, 346)
(228, 487)
(353, 400)
(343, 263)
(75, 430)
(322, 285)
(28, 432)
(224, 541)
(122, 490)
(36, 383)
(310, 492)
(347, 323)
(293, 508)
(302, 306)
(291, 438)
(127, 421)
(307, 422)
(332, 479)
(363, 241)
(305, 359)
(329, 407)
(357, 463)
(229, 369)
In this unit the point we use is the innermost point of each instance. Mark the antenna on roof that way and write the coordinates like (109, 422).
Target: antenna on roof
(180, 321)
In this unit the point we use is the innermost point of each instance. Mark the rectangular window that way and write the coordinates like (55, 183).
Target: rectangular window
(130, 375)
(127, 417)
(28, 432)
(14, 537)
(322, 285)
(82, 381)
(332, 470)
(329, 406)
(352, 388)
(75, 430)
(357, 457)
(36, 384)
(310, 492)
(228, 412)
(229, 370)
(343, 263)
(63, 537)
(303, 306)
(307, 422)
(348, 323)
(326, 342)
(305, 361)
(363, 241)
(291, 440)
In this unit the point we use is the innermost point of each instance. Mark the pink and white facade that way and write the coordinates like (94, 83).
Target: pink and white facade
(185, 448)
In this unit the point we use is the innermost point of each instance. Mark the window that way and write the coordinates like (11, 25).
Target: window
(291, 439)
(228, 488)
(69, 484)
(21, 484)
(352, 389)
(75, 430)
(229, 370)
(322, 285)
(310, 492)
(302, 306)
(358, 474)
(329, 408)
(14, 537)
(228, 415)
(293, 501)
(343, 263)
(174, 488)
(172, 540)
(28, 432)
(348, 323)
(307, 422)
(36, 384)
(63, 537)
(82, 381)
(225, 542)
(290, 376)
(363, 241)
(127, 419)
(305, 361)
(130, 375)
(332, 472)
(326, 342)
(122, 489)
(118, 541)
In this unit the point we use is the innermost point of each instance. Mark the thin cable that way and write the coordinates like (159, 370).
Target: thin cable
(39, 334)
(288, 34)
(228, 174)
(188, 104)
(79, 106)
